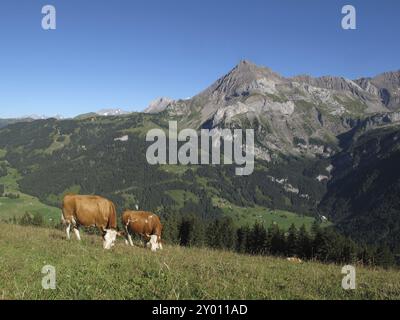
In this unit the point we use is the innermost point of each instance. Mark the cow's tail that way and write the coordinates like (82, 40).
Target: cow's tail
(112, 221)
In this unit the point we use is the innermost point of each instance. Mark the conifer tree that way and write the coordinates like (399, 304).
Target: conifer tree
(291, 243)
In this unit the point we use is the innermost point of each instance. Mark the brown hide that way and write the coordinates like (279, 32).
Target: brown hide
(89, 211)
(142, 223)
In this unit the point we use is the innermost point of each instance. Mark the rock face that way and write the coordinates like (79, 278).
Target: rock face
(386, 86)
(158, 105)
(299, 115)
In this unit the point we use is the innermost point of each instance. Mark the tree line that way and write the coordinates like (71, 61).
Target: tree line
(320, 244)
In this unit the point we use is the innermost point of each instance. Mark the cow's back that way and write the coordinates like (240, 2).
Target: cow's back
(90, 211)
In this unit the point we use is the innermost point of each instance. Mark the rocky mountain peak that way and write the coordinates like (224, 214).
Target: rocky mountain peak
(243, 79)
(158, 105)
(386, 86)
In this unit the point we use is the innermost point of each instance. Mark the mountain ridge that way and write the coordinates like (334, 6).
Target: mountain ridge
(313, 136)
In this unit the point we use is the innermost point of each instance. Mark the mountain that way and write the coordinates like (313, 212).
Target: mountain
(292, 116)
(103, 113)
(324, 146)
(362, 196)
(385, 86)
(158, 105)
(6, 122)
(111, 112)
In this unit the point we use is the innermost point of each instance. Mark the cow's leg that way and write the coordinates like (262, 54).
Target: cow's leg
(142, 241)
(68, 231)
(160, 243)
(76, 231)
(130, 239)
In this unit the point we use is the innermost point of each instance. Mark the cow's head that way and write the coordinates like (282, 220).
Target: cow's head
(109, 238)
(153, 243)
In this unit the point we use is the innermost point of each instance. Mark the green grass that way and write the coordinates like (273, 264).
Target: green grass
(10, 181)
(175, 168)
(57, 145)
(249, 216)
(85, 271)
(179, 196)
(10, 208)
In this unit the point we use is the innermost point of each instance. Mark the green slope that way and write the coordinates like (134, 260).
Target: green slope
(249, 216)
(10, 208)
(85, 271)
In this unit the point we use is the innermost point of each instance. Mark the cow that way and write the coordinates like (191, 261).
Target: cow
(145, 224)
(90, 211)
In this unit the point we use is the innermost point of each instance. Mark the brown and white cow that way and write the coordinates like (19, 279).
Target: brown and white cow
(145, 224)
(90, 211)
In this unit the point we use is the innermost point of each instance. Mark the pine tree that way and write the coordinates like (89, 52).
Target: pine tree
(242, 235)
(185, 232)
(228, 233)
(384, 257)
(315, 228)
(291, 243)
(257, 239)
(278, 243)
(304, 243)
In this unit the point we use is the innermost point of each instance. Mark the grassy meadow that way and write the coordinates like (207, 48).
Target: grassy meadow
(85, 271)
(10, 208)
(251, 215)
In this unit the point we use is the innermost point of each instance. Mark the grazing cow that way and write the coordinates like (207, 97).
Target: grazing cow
(90, 211)
(145, 224)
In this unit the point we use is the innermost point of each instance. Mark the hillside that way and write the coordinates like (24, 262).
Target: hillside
(14, 204)
(85, 271)
(85, 156)
(364, 193)
(322, 148)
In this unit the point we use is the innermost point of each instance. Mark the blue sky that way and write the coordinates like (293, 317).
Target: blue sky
(125, 53)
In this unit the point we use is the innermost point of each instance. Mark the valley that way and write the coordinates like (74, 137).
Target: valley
(324, 147)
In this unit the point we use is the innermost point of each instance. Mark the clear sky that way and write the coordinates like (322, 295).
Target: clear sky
(125, 53)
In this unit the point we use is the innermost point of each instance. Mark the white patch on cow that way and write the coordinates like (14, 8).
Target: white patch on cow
(78, 236)
(109, 239)
(153, 243)
(146, 221)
